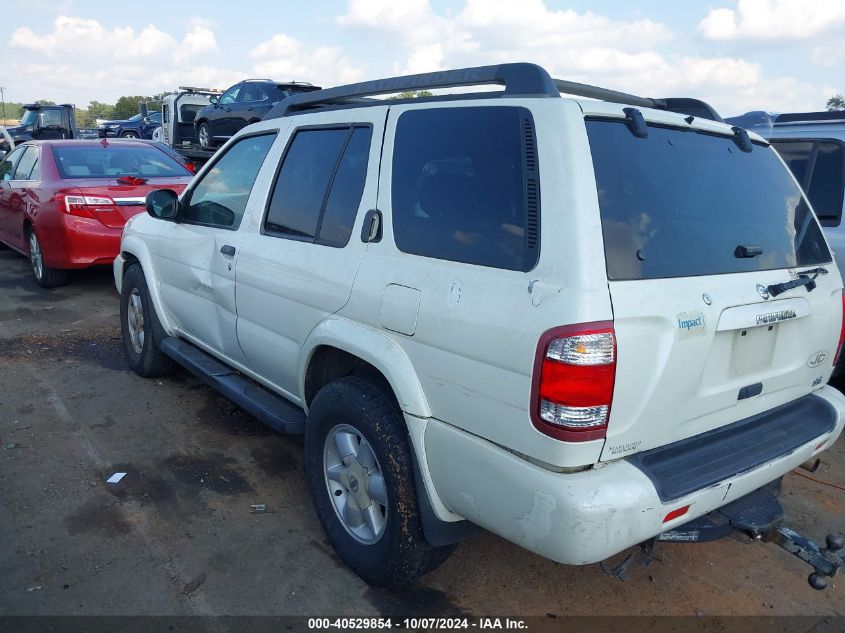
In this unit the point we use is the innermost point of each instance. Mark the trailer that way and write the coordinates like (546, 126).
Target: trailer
(178, 111)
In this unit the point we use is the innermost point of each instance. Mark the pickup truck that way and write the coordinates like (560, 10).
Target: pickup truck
(41, 122)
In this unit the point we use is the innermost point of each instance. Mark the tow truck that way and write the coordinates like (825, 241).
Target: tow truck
(43, 122)
(177, 129)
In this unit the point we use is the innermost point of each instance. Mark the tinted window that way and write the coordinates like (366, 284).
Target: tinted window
(459, 187)
(827, 181)
(112, 160)
(313, 168)
(7, 167)
(678, 203)
(796, 155)
(26, 164)
(220, 198)
(155, 117)
(252, 92)
(347, 188)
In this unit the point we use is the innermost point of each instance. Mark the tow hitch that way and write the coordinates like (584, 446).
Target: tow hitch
(759, 515)
(826, 561)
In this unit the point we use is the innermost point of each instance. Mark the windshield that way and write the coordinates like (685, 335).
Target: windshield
(114, 160)
(29, 117)
(679, 204)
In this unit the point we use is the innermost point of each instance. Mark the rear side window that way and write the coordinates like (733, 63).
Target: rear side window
(820, 168)
(466, 187)
(112, 160)
(220, 197)
(678, 204)
(7, 167)
(27, 164)
(319, 186)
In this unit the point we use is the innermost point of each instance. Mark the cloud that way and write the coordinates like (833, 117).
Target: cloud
(774, 20)
(285, 58)
(630, 55)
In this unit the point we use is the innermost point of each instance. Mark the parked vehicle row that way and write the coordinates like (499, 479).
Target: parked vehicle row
(581, 324)
(64, 203)
(138, 126)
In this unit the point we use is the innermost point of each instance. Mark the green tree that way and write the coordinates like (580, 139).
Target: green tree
(45, 102)
(97, 110)
(836, 102)
(412, 94)
(128, 106)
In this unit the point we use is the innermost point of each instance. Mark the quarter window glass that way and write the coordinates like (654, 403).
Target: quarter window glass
(220, 198)
(25, 164)
(302, 182)
(827, 181)
(796, 155)
(459, 188)
(7, 167)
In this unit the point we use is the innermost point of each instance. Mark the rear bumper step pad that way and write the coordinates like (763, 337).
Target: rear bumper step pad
(273, 410)
(694, 463)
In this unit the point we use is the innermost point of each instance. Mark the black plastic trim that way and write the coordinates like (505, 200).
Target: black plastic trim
(683, 467)
(273, 410)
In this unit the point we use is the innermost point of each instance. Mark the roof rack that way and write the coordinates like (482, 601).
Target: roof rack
(518, 80)
(826, 116)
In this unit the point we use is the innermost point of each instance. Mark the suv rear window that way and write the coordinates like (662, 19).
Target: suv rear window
(678, 204)
(111, 160)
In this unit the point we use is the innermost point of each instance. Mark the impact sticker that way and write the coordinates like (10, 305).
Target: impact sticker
(690, 323)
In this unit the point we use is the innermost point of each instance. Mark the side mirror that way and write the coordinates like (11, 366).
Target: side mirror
(147, 120)
(163, 204)
(213, 100)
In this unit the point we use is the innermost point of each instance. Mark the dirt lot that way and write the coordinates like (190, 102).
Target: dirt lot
(176, 536)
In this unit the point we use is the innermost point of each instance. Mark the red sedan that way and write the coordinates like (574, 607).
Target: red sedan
(64, 203)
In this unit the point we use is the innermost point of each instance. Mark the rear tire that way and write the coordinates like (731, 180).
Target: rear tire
(140, 328)
(204, 135)
(45, 276)
(368, 509)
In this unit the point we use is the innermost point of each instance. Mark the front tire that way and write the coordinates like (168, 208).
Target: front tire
(360, 475)
(140, 328)
(45, 276)
(130, 135)
(204, 135)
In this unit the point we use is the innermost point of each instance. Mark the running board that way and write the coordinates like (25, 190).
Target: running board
(274, 411)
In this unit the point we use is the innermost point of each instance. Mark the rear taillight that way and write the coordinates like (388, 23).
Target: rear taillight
(574, 374)
(191, 167)
(84, 206)
(841, 332)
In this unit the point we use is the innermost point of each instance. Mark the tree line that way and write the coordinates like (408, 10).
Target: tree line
(123, 108)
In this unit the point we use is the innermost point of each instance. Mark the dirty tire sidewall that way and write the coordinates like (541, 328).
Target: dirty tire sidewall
(150, 362)
(401, 554)
(50, 277)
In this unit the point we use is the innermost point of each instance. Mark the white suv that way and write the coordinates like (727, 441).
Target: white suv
(578, 324)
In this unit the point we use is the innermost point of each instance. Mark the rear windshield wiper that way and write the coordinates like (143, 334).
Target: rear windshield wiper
(804, 279)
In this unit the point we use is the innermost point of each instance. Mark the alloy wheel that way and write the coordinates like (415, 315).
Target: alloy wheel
(135, 321)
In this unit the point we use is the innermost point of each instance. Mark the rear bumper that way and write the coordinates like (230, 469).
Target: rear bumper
(76, 242)
(584, 517)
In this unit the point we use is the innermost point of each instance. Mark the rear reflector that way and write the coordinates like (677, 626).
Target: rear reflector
(841, 332)
(674, 514)
(574, 375)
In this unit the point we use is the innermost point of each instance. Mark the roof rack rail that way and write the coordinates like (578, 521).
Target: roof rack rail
(825, 116)
(518, 79)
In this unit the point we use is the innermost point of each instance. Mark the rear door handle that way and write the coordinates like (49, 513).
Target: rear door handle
(227, 250)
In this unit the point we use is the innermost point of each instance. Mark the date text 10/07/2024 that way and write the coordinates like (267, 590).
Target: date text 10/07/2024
(513, 624)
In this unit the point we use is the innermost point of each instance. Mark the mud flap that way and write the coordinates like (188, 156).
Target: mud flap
(759, 515)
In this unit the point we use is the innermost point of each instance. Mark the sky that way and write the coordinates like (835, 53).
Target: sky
(739, 55)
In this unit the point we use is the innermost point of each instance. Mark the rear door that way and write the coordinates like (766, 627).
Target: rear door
(696, 233)
(299, 266)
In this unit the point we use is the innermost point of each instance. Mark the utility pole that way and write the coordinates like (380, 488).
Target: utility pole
(3, 100)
